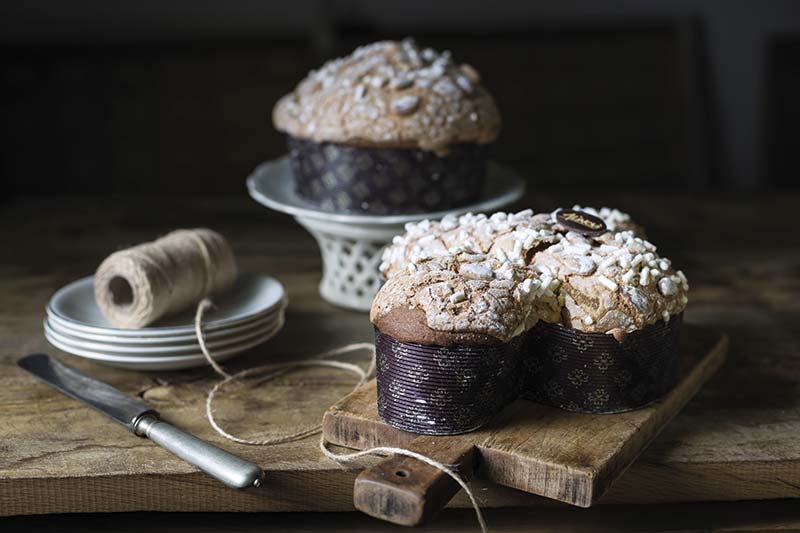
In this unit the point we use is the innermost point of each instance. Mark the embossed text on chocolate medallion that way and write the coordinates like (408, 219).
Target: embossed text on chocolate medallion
(580, 222)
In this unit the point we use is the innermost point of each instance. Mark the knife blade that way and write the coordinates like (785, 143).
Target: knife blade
(143, 421)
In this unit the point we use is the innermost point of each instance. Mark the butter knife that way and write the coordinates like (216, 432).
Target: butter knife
(143, 421)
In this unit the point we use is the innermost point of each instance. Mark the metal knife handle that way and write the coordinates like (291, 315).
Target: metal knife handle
(226, 467)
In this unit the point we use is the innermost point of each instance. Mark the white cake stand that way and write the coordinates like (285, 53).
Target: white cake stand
(351, 244)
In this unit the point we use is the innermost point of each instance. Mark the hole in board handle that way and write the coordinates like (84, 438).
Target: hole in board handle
(401, 473)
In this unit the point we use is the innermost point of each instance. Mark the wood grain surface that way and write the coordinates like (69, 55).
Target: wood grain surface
(736, 440)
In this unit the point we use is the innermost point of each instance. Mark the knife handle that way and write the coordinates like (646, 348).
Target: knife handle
(226, 467)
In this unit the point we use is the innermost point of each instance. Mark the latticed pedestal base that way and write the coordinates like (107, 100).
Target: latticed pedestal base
(351, 255)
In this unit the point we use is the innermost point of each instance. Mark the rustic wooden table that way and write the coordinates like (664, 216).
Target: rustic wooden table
(737, 440)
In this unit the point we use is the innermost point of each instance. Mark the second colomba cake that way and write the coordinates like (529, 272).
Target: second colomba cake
(391, 128)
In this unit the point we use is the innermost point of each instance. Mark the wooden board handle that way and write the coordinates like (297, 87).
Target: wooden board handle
(406, 491)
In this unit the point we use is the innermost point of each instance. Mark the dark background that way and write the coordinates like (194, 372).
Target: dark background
(175, 97)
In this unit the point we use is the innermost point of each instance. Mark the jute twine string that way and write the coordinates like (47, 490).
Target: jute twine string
(272, 371)
(137, 286)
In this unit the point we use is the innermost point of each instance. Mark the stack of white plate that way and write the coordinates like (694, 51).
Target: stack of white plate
(248, 314)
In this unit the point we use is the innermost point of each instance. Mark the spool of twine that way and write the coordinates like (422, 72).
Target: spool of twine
(137, 286)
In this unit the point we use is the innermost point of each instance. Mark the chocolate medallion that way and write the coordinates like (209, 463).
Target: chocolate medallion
(581, 222)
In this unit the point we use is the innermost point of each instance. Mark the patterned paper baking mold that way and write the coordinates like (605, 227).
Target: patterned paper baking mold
(436, 390)
(594, 372)
(383, 181)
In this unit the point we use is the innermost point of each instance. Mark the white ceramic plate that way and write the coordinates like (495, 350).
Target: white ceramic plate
(164, 363)
(160, 349)
(65, 328)
(251, 297)
(272, 185)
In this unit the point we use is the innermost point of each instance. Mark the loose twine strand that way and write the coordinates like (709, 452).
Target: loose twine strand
(272, 371)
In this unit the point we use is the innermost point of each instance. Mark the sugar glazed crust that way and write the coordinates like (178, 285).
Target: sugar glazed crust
(393, 95)
(531, 269)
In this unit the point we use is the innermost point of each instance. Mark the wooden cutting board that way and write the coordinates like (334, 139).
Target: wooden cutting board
(569, 457)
